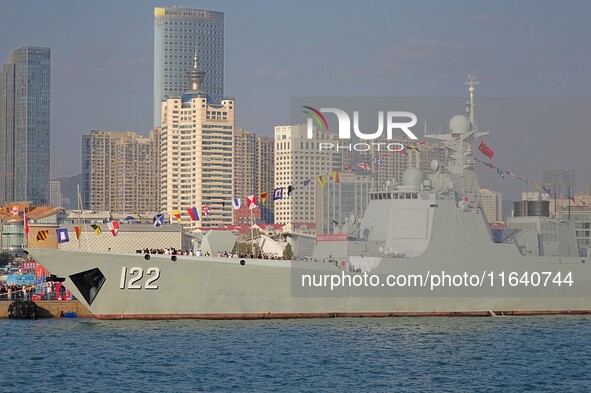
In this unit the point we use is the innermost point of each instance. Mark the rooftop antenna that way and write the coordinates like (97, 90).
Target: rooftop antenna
(470, 106)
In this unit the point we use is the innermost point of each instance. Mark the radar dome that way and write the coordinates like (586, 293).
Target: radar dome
(459, 124)
(413, 177)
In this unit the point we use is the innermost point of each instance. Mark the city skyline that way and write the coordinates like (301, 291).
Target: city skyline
(105, 78)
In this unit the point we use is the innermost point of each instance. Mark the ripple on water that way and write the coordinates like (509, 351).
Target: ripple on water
(389, 354)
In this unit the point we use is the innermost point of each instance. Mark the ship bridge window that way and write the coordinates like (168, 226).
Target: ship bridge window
(408, 195)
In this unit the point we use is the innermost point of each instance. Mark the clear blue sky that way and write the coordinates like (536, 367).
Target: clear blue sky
(102, 59)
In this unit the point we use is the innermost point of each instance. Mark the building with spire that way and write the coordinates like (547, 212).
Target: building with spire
(25, 95)
(196, 153)
(177, 32)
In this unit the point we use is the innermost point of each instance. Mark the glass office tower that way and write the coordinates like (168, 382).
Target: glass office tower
(24, 126)
(178, 32)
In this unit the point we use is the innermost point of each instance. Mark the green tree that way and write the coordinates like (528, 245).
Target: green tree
(287, 252)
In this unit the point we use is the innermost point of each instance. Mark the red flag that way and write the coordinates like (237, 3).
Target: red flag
(77, 229)
(114, 227)
(364, 166)
(263, 197)
(251, 201)
(487, 151)
(26, 224)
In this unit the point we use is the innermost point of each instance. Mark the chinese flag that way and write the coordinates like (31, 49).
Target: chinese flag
(487, 151)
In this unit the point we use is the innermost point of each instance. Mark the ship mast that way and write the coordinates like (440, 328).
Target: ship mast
(461, 166)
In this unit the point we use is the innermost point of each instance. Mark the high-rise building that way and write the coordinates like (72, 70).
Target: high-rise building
(266, 176)
(55, 193)
(244, 164)
(298, 163)
(120, 172)
(338, 204)
(178, 31)
(25, 87)
(197, 154)
(560, 182)
(492, 204)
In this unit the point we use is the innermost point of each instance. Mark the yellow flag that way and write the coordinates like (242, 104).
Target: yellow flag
(322, 180)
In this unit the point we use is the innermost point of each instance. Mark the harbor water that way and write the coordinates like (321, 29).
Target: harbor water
(551, 353)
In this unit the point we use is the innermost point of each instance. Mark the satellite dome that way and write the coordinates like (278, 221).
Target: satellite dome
(413, 177)
(459, 124)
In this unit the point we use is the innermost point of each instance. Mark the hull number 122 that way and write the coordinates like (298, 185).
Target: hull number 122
(134, 279)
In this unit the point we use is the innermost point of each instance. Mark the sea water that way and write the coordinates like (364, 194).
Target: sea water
(497, 354)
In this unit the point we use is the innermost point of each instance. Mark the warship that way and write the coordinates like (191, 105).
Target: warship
(422, 248)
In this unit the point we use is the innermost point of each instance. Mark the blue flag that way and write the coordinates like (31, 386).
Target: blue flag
(158, 220)
(62, 235)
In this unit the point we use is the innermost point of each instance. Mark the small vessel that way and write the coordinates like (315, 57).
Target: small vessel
(423, 247)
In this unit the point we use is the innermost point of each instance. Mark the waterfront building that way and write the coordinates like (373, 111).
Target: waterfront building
(492, 204)
(339, 204)
(197, 154)
(55, 193)
(120, 172)
(560, 182)
(297, 161)
(265, 172)
(25, 95)
(178, 31)
(245, 166)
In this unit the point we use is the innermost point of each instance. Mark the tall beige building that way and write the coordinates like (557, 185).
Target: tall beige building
(120, 172)
(245, 166)
(265, 177)
(197, 154)
(298, 160)
(492, 204)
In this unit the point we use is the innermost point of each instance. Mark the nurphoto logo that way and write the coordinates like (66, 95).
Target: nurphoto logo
(394, 120)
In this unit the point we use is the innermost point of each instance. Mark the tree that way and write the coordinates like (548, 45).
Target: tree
(287, 252)
(5, 259)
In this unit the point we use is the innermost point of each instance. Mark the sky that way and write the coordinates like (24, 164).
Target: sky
(102, 66)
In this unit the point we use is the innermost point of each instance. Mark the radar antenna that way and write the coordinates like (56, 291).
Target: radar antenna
(470, 105)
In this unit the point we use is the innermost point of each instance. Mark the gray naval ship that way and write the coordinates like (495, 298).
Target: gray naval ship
(423, 247)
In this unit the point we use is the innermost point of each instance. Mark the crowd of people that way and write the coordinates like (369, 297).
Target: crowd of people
(26, 292)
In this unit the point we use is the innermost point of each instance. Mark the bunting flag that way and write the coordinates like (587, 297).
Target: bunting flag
(206, 211)
(42, 235)
(290, 189)
(403, 152)
(236, 203)
(307, 182)
(114, 227)
(15, 211)
(348, 169)
(177, 214)
(26, 223)
(487, 151)
(223, 204)
(264, 197)
(97, 229)
(251, 201)
(322, 180)
(572, 198)
(413, 148)
(278, 193)
(536, 186)
(77, 229)
(335, 176)
(158, 220)
(546, 190)
(378, 161)
(363, 165)
(62, 235)
(193, 213)
(500, 173)
(422, 143)
(387, 154)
